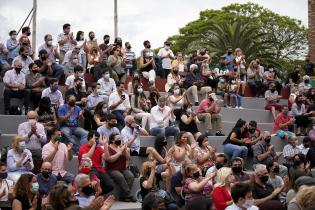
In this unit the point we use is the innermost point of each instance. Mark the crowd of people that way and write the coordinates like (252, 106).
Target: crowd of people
(101, 123)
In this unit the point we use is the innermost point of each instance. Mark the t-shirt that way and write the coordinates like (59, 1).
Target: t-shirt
(280, 119)
(96, 157)
(269, 94)
(294, 76)
(73, 120)
(261, 192)
(238, 136)
(40, 64)
(119, 164)
(5, 186)
(45, 186)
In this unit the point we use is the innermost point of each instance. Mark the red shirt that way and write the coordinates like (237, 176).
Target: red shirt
(119, 164)
(97, 158)
(220, 196)
(205, 104)
(281, 119)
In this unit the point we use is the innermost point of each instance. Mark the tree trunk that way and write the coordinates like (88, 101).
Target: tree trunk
(311, 26)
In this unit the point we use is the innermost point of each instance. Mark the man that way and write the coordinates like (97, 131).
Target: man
(6, 188)
(4, 65)
(25, 41)
(53, 93)
(12, 45)
(153, 202)
(309, 66)
(194, 84)
(14, 83)
(34, 134)
(93, 149)
(85, 191)
(293, 77)
(78, 72)
(69, 115)
(57, 153)
(109, 128)
(160, 118)
(220, 161)
(78, 92)
(290, 150)
(305, 85)
(305, 146)
(94, 98)
(119, 103)
(107, 84)
(264, 153)
(105, 47)
(131, 137)
(52, 54)
(66, 41)
(46, 180)
(209, 110)
(25, 60)
(131, 62)
(44, 64)
(229, 59)
(263, 192)
(166, 55)
(239, 176)
(242, 198)
(282, 123)
(253, 133)
(272, 100)
(72, 58)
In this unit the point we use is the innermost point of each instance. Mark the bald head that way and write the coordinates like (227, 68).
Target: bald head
(32, 115)
(129, 119)
(46, 166)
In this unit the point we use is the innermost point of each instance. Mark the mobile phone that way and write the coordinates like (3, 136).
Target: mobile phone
(123, 97)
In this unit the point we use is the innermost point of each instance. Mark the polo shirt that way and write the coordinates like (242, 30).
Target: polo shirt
(45, 186)
(73, 120)
(58, 163)
(96, 157)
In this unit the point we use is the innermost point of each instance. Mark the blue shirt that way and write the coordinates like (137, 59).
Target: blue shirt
(73, 120)
(106, 132)
(45, 186)
(229, 59)
(12, 45)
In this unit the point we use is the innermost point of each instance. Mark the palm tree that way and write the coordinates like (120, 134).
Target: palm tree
(311, 26)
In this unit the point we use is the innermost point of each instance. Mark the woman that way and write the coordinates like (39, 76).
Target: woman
(147, 66)
(254, 79)
(195, 185)
(180, 63)
(173, 78)
(116, 157)
(298, 111)
(19, 159)
(140, 105)
(305, 197)
(117, 64)
(189, 121)
(177, 100)
(101, 113)
(80, 44)
(271, 76)
(311, 96)
(181, 151)
(25, 190)
(46, 114)
(154, 95)
(93, 57)
(203, 154)
(132, 84)
(234, 145)
(221, 195)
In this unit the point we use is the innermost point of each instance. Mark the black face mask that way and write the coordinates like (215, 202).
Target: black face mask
(18, 70)
(218, 165)
(307, 60)
(72, 103)
(202, 53)
(196, 175)
(92, 37)
(148, 46)
(237, 169)
(267, 140)
(128, 47)
(46, 174)
(264, 179)
(252, 130)
(79, 86)
(24, 56)
(3, 175)
(106, 41)
(118, 142)
(88, 190)
(43, 58)
(164, 143)
(306, 81)
(272, 90)
(229, 53)
(276, 170)
(306, 145)
(28, 33)
(161, 208)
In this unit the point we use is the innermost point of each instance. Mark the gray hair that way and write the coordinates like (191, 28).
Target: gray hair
(259, 168)
(79, 178)
(193, 66)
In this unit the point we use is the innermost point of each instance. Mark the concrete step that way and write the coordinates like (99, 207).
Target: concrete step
(260, 116)
(9, 123)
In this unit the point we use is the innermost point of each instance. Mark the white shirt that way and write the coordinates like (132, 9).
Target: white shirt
(68, 57)
(127, 134)
(107, 86)
(5, 186)
(25, 63)
(303, 149)
(166, 62)
(114, 98)
(157, 115)
(54, 97)
(13, 78)
(70, 81)
(235, 207)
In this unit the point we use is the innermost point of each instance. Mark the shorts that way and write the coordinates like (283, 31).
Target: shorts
(277, 107)
(282, 133)
(142, 152)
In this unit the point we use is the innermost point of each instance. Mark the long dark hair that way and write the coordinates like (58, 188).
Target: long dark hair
(22, 187)
(78, 37)
(44, 106)
(99, 108)
(137, 94)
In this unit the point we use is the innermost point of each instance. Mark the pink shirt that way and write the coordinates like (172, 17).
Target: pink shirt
(205, 104)
(61, 156)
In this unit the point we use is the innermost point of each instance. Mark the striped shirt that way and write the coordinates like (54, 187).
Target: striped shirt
(290, 151)
(67, 45)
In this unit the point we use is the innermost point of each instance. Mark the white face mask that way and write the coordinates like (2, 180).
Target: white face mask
(176, 91)
(167, 47)
(81, 74)
(107, 76)
(13, 36)
(32, 121)
(140, 90)
(35, 187)
(104, 109)
(271, 70)
(49, 43)
(75, 60)
(189, 110)
(313, 127)
(248, 203)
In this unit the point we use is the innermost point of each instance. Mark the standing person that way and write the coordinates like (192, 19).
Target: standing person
(117, 64)
(167, 55)
(80, 44)
(105, 47)
(229, 59)
(12, 45)
(130, 56)
(309, 67)
(66, 41)
(148, 66)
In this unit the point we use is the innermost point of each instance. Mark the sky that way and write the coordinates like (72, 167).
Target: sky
(138, 20)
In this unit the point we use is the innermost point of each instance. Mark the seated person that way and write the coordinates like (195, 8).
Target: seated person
(235, 98)
(78, 92)
(282, 123)
(177, 100)
(14, 87)
(85, 191)
(109, 127)
(238, 173)
(294, 77)
(69, 115)
(148, 66)
(19, 159)
(44, 65)
(299, 112)
(95, 97)
(132, 83)
(101, 114)
(220, 161)
(305, 85)
(25, 60)
(46, 180)
(107, 84)
(6, 188)
(78, 72)
(189, 121)
(242, 197)
(272, 99)
(46, 114)
(53, 93)
(177, 181)
(71, 62)
(221, 195)
(34, 134)
(290, 150)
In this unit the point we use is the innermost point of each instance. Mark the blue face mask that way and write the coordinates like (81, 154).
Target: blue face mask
(22, 145)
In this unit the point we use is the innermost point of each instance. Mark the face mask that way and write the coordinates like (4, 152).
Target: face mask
(196, 175)
(88, 190)
(49, 43)
(128, 47)
(252, 130)
(202, 53)
(79, 86)
(264, 179)
(17, 70)
(148, 46)
(285, 112)
(25, 44)
(112, 125)
(104, 110)
(3, 175)
(54, 88)
(189, 111)
(175, 71)
(43, 58)
(176, 91)
(13, 36)
(237, 169)
(32, 121)
(24, 56)
(218, 165)
(222, 80)
(164, 143)
(167, 47)
(85, 170)
(136, 76)
(276, 170)
(161, 108)
(248, 203)
(58, 138)
(106, 41)
(22, 145)
(161, 208)
(307, 60)
(306, 81)
(72, 103)
(92, 37)
(46, 174)
(272, 90)
(267, 140)
(106, 76)
(306, 145)
(271, 70)
(81, 37)
(81, 74)
(34, 71)
(28, 33)
(35, 187)
(118, 142)
(140, 90)
(75, 60)
(229, 53)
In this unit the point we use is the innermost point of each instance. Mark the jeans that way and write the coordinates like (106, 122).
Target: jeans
(106, 182)
(9, 93)
(35, 98)
(234, 151)
(124, 179)
(68, 133)
(120, 117)
(237, 98)
(57, 70)
(162, 132)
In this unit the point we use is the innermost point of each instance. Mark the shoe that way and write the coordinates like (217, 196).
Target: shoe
(130, 199)
(219, 133)
(240, 107)
(196, 103)
(236, 107)
(208, 133)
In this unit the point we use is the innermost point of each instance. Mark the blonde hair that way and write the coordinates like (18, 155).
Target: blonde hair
(189, 169)
(15, 142)
(222, 174)
(306, 197)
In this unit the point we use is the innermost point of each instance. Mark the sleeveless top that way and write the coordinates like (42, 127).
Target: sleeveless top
(191, 127)
(147, 68)
(238, 136)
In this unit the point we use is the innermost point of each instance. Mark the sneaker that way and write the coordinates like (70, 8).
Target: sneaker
(208, 133)
(240, 107)
(236, 107)
(219, 133)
